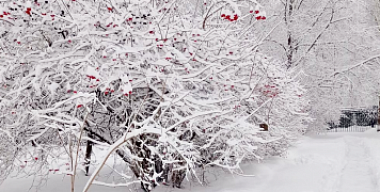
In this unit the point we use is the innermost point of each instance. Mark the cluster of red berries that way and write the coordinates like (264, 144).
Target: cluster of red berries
(258, 17)
(261, 18)
(91, 76)
(270, 91)
(69, 91)
(110, 24)
(229, 17)
(129, 93)
(4, 13)
(108, 90)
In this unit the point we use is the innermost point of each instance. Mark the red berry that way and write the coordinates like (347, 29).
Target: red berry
(223, 15)
(79, 106)
(75, 92)
(151, 32)
(257, 12)
(130, 92)
(28, 10)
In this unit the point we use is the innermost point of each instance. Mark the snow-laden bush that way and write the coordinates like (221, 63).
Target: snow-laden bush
(170, 86)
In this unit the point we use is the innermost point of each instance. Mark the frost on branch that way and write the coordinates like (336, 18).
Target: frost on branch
(194, 81)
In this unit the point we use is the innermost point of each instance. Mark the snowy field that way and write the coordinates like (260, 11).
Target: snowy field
(328, 162)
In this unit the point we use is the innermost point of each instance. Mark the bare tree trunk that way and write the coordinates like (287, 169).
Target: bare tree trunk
(178, 177)
(88, 153)
(291, 4)
(378, 117)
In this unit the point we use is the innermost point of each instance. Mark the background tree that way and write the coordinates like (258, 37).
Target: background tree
(330, 46)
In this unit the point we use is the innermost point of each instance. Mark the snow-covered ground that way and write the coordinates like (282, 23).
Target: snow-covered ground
(329, 162)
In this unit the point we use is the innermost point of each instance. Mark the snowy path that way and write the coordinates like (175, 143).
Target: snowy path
(334, 162)
(331, 163)
(357, 174)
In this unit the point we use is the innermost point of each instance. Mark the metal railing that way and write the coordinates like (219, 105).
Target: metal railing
(349, 129)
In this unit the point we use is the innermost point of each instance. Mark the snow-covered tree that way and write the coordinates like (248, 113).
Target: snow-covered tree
(168, 85)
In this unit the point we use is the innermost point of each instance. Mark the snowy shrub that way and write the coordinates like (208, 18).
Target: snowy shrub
(170, 86)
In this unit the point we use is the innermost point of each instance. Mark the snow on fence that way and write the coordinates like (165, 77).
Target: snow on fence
(350, 129)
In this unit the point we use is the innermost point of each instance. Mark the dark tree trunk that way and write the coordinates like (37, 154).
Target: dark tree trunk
(378, 117)
(88, 154)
